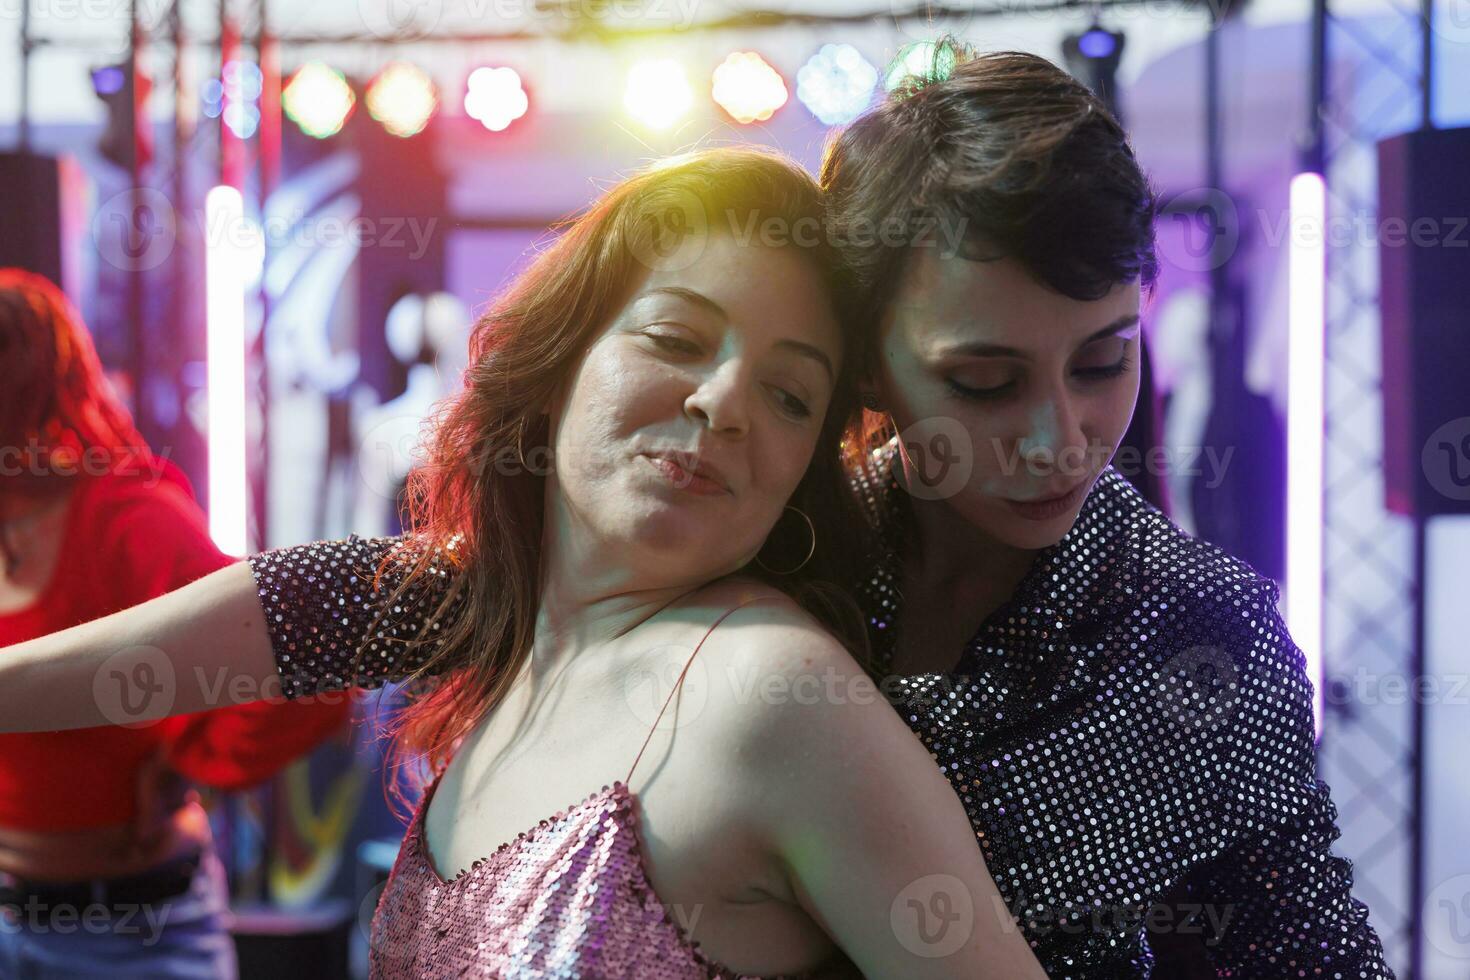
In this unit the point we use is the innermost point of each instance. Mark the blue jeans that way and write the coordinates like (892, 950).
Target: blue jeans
(185, 937)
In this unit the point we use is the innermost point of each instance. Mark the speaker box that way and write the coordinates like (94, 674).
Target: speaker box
(1423, 237)
(43, 217)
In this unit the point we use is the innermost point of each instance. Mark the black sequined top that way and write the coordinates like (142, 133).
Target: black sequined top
(1135, 721)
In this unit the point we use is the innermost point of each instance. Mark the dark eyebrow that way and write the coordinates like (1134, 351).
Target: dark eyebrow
(997, 350)
(807, 350)
(703, 301)
(690, 296)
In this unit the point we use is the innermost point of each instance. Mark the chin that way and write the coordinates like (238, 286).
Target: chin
(1006, 527)
(1036, 535)
(676, 536)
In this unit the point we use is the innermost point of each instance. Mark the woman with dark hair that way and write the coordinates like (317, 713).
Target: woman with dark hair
(642, 408)
(1118, 704)
(107, 868)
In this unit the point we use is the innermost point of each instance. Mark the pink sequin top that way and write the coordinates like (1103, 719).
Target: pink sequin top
(568, 898)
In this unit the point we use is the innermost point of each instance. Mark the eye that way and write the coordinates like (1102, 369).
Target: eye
(1114, 358)
(980, 380)
(672, 344)
(979, 394)
(792, 404)
(1105, 371)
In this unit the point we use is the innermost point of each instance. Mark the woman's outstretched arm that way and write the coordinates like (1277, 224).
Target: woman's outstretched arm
(289, 621)
(199, 647)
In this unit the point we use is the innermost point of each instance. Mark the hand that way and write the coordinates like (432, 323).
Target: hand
(160, 791)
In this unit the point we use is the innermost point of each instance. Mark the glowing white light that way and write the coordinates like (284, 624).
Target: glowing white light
(658, 93)
(225, 275)
(494, 96)
(1307, 272)
(836, 84)
(748, 88)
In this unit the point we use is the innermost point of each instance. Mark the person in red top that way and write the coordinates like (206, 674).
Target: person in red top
(107, 867)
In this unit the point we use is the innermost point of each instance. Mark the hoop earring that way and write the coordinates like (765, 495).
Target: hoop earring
(810, 551)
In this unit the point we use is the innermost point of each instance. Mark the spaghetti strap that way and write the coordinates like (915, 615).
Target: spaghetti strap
(687, 664)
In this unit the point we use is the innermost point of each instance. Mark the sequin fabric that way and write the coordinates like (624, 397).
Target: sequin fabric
(568, 898)
(1135, 721)
(324, 599)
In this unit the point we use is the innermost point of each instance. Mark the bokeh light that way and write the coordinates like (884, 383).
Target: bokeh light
(212, 94)
(1098, 43)
(241, 86)
(318, 99)
(836, 84)
(658, 93)
(748, 88)
(495, 97)
(403, 98)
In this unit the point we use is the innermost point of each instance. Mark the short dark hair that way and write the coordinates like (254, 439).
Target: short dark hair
(1010, 155)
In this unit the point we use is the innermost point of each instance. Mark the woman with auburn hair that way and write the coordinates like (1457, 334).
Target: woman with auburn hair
(107, 867)
(624, 490)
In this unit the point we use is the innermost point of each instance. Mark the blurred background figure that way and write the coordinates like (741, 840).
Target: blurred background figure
(428, 337)
(107, 862)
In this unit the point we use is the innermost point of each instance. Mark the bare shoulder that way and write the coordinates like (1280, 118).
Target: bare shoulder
(764, 630)
(779, 682)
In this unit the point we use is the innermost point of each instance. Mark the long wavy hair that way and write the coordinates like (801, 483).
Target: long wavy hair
(57, 410)
(478, 522)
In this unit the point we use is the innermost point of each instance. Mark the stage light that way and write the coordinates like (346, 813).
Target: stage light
(225, 275)
(242, 118)
(922, 60)
(402, 98)
(836, 84)
(318, 99)
(748, 88)
(657, 93)
(242, 81)
(495, 97)
(1093, 58)
(109, 80)
(124, 92)
(240, 85)
(212, 94)
(1097, 43)
(1305, 421)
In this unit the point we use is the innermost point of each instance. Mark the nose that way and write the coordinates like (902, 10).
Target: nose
(1054, 441)
(721, 399)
